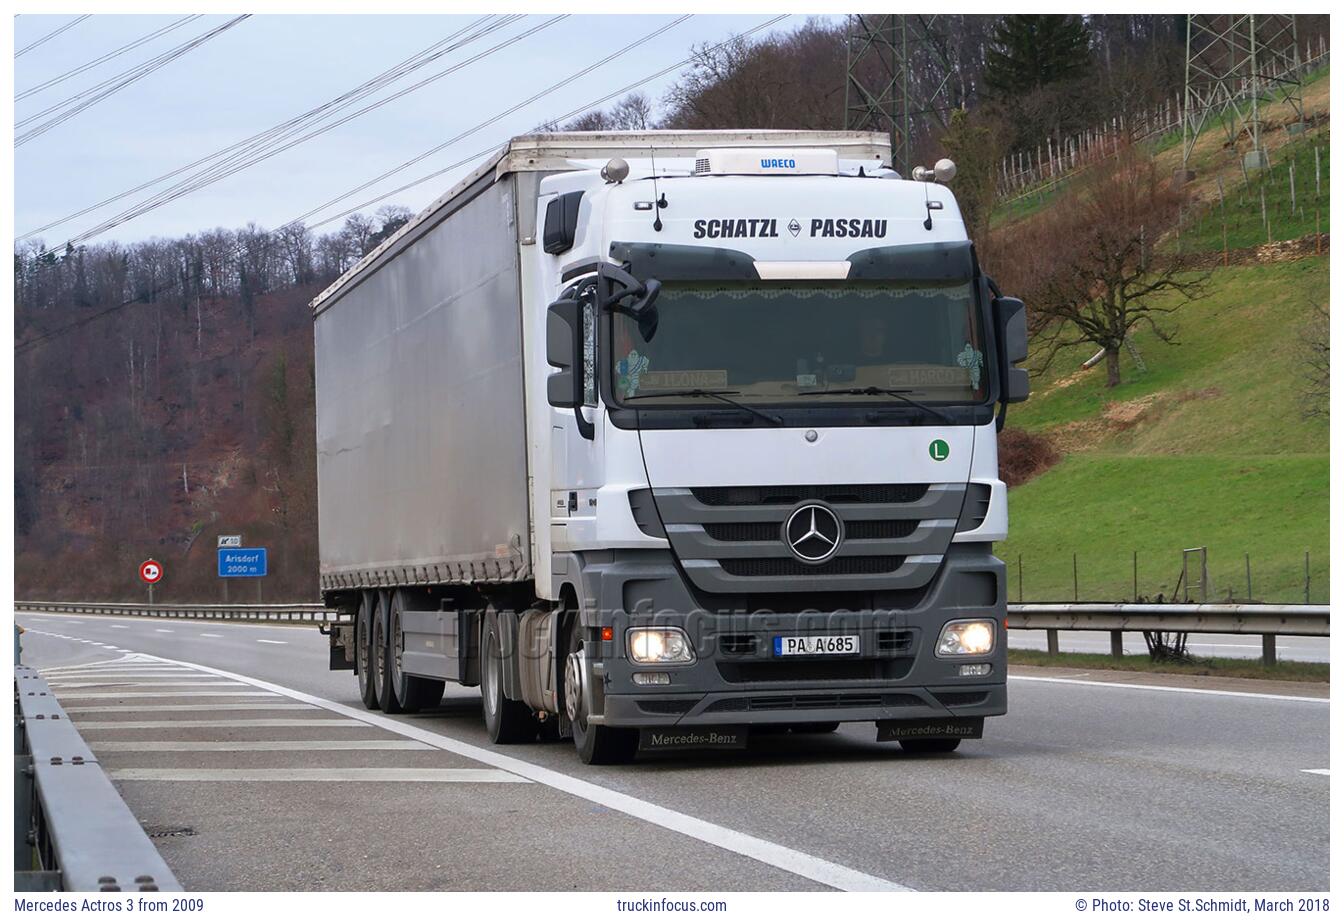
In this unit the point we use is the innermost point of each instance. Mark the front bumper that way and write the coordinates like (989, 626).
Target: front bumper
(737, 680)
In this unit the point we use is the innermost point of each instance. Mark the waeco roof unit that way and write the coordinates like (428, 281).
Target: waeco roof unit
(767, 161)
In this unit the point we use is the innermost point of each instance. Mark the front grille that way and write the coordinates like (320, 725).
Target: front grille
(894, 641)
(792, 568)
(665, 707)
(813, 701)
(746, 672)
(737, 644)
(764, 531)
(788, 495)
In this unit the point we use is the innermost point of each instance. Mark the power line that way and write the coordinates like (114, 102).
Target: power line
(106, 57)
(140, 71)
(195, 183)
(50, 35)
(82, 321)
(570, 114)
(426, 56)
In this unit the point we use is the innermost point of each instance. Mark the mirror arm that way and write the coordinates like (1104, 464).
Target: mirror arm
(586, 428)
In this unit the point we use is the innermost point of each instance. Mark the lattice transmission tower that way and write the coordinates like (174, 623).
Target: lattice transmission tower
(897, 80)
(1234, 63)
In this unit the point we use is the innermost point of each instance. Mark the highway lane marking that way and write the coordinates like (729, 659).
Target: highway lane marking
(382, 745)
(764, 851)
(117, 626)
(211, 636)
(58, 685)
(1196, 690)
(273, 642)
(233, 624)
(319, 775)
(191, 707)
(87, 725)
(82, 695)
(163, 630)
(1324, 772)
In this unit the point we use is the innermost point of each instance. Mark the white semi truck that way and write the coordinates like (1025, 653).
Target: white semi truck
(662, 438)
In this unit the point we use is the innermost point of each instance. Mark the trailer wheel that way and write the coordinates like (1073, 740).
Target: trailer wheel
(596, 744)
(368, 692)
(930, 745)
(379, 650)
(410, 694)
(506, 721)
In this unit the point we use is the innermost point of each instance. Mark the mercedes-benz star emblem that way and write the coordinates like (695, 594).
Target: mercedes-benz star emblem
(813, 532)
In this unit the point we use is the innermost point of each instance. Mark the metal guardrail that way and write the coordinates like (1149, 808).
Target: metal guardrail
(314, 613)
(72, 831)
(1265, 620)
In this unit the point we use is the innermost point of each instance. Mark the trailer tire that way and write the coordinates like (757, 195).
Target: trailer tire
(930, 745)
(380, 652)
(595, 744)
(409, 693)
(506, 721)
(368, 693)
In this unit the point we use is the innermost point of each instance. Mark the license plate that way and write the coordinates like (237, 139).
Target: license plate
(816, 645)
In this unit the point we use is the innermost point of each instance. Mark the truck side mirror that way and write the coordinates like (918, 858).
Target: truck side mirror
(564, 338)
(1010, 320)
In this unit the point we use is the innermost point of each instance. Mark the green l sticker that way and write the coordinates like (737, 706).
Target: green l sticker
(938, 449)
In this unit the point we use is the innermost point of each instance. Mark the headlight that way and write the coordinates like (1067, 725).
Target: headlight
(666, 645)
(966, 637)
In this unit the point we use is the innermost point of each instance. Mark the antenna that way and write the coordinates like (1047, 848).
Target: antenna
(659, 201)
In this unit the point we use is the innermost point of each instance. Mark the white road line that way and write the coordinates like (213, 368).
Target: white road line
(173, 694)
(85, 685)
(211, 636)
(163, 630)
(396, 744)
(85, 725)
(764, 851)
(1197, 690)
(191, 707)
(318, 775)
(273, 642)
(1325, 772)
(117, 626)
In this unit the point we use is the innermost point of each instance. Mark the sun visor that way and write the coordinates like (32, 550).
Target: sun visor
(943, 261)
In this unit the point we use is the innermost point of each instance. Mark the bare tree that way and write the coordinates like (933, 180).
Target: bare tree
(1104, 277)
(1314, 351)
(632, 113)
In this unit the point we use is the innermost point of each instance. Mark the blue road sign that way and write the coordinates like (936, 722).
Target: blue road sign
(242, 563)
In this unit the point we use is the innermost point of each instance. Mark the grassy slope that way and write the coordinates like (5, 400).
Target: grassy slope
(1207, 448)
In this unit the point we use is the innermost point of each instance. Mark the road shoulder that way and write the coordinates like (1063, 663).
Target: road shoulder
(1314, 689)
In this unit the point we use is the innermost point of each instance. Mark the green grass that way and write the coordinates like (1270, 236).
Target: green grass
(1302, 671)
(1241, 207)
(1211, 451)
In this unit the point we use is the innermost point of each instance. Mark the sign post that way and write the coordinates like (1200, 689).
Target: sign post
(151, 572)
(228, 541)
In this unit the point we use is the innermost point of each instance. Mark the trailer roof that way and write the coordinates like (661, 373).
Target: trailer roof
(557, 152)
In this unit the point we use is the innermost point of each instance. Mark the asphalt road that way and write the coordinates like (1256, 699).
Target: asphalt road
(255, 768)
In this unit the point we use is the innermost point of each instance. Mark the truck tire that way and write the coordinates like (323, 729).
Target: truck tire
(595, 744)
(368, 693)
(410, 694)
(506, 721)
(380, 655)
(930, 745)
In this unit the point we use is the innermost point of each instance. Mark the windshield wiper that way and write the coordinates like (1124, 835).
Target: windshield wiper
(720, 395)
(882, 391)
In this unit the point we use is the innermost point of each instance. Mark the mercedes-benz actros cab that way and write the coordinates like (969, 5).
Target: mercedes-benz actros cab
(663, 438)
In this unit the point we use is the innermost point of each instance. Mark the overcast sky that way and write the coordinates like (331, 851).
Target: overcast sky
(270, 68)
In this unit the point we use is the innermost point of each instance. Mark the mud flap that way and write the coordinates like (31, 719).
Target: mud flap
(931, 729)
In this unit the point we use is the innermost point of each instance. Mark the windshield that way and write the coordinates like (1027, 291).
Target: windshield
(806, 343)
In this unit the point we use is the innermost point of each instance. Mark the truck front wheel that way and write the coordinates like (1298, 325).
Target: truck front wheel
(596, 744)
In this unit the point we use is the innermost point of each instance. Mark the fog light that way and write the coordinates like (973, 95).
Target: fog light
(975, 670)
(652, 678)
(966, 637)
(665, 645)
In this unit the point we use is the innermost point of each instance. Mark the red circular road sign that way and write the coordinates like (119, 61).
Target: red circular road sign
(150, 571)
